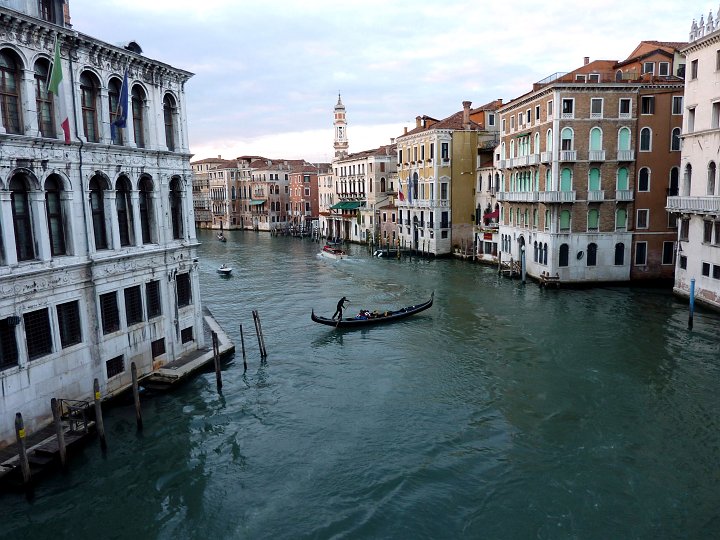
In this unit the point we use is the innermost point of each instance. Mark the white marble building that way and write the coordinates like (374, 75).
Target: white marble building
(697, 204)
(98, 263)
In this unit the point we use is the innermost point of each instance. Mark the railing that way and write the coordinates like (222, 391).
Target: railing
(75, 413)
(568, 155)
(626, 155)
(624, 195)
(596, 155)
(596, 196)
(707, 204)
(517, 196)
(556, 196)
(533, 159)
(545, 157)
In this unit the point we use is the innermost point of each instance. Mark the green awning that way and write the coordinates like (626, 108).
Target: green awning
(346, 205)
(255, 202)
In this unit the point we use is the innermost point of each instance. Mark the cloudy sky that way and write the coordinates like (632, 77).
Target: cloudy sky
(268, 73)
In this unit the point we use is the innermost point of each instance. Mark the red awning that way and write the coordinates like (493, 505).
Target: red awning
(492, 215)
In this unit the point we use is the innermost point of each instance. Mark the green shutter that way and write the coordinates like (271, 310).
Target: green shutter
(594, 179)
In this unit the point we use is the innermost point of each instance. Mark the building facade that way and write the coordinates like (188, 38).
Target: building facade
(98, 263)
(696, 202)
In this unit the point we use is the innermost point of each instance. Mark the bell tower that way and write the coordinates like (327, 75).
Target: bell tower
(341, 142)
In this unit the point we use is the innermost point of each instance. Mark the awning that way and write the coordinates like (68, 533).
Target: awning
(255, 202)
(346, 205)
(492, 215)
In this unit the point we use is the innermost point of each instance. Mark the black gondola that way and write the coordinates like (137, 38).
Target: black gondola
(382, 318)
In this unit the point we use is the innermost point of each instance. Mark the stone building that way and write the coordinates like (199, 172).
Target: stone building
(98, 263)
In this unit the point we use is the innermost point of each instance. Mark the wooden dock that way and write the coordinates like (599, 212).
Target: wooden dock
(546, 280)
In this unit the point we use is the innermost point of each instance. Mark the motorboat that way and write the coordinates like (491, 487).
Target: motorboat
(333, 251)
(224, 270)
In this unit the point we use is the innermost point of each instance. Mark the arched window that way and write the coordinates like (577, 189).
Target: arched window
(593, 218)
(548, 141)
(536, 141)
(535, 218)
(687, 181)
(675, 140)
(566, 139)
(124, 210)
(564, 255)
(512, 149)
(176, 212)
(44, 100)
(10, 91)
(644, 179)
(595, 139)
(674, 182)
(619, 254)
(645, 139)
(97, 207)
(535, 251)
(114, 89)
(502, 150)
(382, 185)
(618, 76)
(621, 219)
(22, 219)
(145, 208)
(592, 254)
(711, 178)
(138, 115)
(622, 179)
(545, 252)
(89, 96)
(623, 139)
(565, 220)
(169, 117)
(566, 179)
(594, 179)
(54, 212)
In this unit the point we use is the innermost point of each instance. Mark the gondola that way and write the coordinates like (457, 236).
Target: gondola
(383, 318)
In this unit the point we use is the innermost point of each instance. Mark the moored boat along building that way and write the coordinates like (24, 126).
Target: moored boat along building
(696, 203)
(98, 263)
(586, 161)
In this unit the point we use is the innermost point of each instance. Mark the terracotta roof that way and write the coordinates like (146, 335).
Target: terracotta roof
(492, 106)
(454, 121)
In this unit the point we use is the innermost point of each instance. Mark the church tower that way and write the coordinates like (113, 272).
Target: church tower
(341, 143)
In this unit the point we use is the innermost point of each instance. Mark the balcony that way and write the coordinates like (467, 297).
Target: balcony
(556, 196)
(533, 159)
(502, 163)
(626, 155)
(694, 205)
(596, 196)
(545, 157)
(624, 195)
(517, 196)
(568, 155)
(596, 155)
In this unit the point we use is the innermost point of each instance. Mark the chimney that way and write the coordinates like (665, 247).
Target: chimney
(417, 122)
(466, 114)
(392, 140)
(586, 61)
(219, 156)
(405, 133)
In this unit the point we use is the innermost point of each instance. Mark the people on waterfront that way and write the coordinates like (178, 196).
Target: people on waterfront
(340, 307)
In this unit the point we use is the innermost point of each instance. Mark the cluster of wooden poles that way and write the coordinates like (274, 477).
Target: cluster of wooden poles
(99, 425)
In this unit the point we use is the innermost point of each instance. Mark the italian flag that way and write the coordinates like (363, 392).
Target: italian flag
(56, 87)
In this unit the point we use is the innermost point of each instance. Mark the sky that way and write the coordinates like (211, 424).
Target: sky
(267, 74)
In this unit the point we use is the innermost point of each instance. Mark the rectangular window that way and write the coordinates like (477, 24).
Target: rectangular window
(716, 272)
(37, 333)
(158, 347)
(537, 113)
(694, 70)
(596, 108)
(527, 116)
(716, 237)
(512, 122)
(642, 219)
(504, 125)
(445, 149)
(717, 60)
(109, 313)
(184, 294)
(684, 229)
(8, 343)
(707, 231)
(649, 68)
(114, 366)
(579, 77)
(133, 305)
(677, 105)
(668, 251)
(641, 253)
(549, 109)
(625, 108)
(152, 297)
(432, 150)
(691, 120)
(683, 262)
(422, 154)
(647, 105)
(594, 77)
(186, 334)
(715, 119)
(706, 269)
(568, 108)
(491, 119)
(68, 315)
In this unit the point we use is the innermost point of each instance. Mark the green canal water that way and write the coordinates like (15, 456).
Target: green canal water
(504, 411)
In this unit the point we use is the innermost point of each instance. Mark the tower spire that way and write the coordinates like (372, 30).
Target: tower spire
(340, 127)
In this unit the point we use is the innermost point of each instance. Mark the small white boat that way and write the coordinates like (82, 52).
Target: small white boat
(333, 252)
(224, 270)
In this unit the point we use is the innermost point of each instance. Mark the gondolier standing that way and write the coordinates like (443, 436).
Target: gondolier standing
(340, 307)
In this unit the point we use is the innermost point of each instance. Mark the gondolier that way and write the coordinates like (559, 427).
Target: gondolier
(340, 307)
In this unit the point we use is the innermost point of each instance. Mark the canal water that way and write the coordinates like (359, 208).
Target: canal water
(504, 411)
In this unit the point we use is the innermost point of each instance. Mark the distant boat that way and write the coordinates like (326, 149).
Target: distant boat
(221, 237)
(224, 270)
(366, 318)
(333, 251)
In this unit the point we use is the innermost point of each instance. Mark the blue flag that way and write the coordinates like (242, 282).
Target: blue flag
(122, 107)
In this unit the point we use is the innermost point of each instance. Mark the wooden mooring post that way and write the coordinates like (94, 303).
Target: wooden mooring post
(22, 451)
(261, 339)
(216, 357)
(59, 431)
(136, 396)
(242, 342)
(99, 426)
